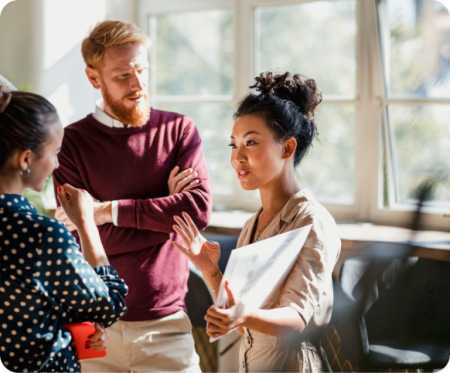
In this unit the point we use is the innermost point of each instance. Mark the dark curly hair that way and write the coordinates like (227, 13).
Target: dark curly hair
(287, 103)
(23, 122)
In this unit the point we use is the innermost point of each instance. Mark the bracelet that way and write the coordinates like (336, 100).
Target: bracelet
(217, 288)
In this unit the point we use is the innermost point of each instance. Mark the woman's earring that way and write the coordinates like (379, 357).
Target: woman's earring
(23, 171)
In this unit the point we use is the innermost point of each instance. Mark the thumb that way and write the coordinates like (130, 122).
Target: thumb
(174, 172)
(64, 197)
(69, 189)
(231, 301)
(212, 244)
(71, 192)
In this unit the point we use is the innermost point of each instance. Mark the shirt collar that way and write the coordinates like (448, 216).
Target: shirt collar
(15, 201)
(291, 209)
(105, 118)
(287, 214)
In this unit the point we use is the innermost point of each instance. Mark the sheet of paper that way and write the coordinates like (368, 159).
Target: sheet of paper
(254, 271)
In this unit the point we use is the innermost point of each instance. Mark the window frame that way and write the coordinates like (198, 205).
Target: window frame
(394, 213)
(371, 126)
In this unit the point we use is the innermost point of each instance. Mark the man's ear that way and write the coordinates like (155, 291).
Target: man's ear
(94, 77)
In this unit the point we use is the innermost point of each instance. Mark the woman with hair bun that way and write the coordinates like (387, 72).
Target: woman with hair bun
(45, 281)
(273, 131)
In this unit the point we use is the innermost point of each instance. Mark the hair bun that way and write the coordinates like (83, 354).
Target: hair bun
(6, 86)
(5, 93)
(294, 88)
(5, 99)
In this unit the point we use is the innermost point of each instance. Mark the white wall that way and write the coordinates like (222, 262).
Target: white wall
(40, 44)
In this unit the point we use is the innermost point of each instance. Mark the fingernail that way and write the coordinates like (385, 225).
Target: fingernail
(59, 188)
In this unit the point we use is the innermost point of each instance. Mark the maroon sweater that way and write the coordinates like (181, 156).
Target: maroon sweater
(132, 165)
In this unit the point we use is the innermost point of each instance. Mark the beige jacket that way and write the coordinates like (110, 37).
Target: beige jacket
(308, 289)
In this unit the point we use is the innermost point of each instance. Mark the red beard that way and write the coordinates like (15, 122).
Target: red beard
(137, 116)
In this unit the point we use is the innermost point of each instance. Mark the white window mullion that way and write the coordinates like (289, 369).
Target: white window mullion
(377, 117)
(389, 151)
(152, 63)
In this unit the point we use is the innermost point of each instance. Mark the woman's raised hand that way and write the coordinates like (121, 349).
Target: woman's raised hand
(203, 254)
(77, 204)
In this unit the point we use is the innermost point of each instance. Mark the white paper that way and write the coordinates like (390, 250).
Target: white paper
(254, 271)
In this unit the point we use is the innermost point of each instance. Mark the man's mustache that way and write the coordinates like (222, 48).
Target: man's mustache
(135, 95)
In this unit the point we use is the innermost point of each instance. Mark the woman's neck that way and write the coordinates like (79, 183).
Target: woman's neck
(275, 194)
(11, 186)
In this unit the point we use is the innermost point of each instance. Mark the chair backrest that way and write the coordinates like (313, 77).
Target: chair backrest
(198, 298)
(410, 297)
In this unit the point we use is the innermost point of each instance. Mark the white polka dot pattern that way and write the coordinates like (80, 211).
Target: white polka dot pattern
(45, 283)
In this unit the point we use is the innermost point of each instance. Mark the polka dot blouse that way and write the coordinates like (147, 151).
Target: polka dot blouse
(45, 283)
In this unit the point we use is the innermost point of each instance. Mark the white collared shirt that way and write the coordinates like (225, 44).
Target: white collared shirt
(109, 121)
(104, 117)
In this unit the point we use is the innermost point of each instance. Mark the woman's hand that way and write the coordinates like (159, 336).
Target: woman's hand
(77, 204)
(99, 340)
(203, 254)
(222, 321)
(102, 214)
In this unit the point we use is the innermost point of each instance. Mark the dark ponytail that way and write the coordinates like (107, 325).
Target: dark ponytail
(23, 122)
(287, 103)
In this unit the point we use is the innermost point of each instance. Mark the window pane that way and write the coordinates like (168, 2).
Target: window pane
(317, 39)
(192, 53)
(416, 47)
(214, 123)
(421, 148)
(328, 169)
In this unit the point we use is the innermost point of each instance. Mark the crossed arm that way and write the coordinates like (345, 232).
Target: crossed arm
(178, 182)
(148, 221)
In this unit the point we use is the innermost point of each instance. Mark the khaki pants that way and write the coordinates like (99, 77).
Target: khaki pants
(163, 345)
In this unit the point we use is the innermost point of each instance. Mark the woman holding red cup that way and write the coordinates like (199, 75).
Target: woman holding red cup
(46, 282)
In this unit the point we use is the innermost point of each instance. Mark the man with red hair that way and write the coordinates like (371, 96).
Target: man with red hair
(146, 166)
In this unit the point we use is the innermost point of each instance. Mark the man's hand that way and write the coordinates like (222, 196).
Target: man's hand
(99, 340)
(183, 181)
(102, 215)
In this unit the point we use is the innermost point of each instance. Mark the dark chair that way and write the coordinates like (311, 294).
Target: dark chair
(199, 299)
(399, 321)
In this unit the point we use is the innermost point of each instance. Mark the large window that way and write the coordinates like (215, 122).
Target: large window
(191, 72)
(415, 36)
(318, 39)
(383, 67)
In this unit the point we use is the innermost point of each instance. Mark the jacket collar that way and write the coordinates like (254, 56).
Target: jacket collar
(287, 214)
(16, 202)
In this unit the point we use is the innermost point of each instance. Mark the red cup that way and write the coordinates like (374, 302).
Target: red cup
(81, 333)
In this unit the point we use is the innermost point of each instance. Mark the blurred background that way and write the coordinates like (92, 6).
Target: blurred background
(384, 125)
